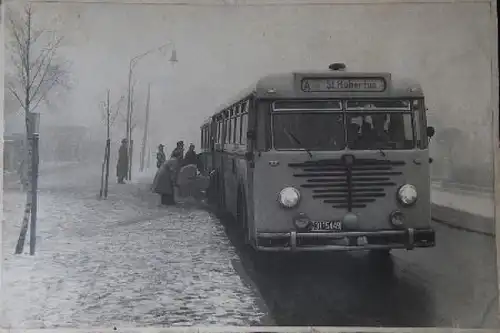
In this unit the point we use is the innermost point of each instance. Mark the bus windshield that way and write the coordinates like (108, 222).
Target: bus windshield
(310, 131)
(361, 125)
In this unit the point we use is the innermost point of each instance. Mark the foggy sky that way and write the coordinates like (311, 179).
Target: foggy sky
(223, 49)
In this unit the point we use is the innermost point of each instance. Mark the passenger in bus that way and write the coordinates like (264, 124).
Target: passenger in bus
(365, 138)
(379, 133)
(352, 134)
(166, 180)
(160, 156)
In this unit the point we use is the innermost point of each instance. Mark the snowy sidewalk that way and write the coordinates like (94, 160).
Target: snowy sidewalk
(467, 210)
(123, 261)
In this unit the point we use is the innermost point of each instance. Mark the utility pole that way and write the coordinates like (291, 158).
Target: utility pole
(129, 117)
(145, 136)
(131, 130)
(108, 145)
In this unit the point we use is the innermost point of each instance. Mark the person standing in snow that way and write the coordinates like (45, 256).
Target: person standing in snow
(166, 179)
(122, 164)
(190, 157)
(160, 156)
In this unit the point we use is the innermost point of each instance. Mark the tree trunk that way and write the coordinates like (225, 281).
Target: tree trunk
(103, 165)
(28, 165)
(106, 179)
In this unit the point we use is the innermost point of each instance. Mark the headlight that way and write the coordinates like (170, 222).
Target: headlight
(397, 219)
(289, 197)
(407, 194)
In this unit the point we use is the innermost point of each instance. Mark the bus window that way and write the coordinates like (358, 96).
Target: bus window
(202, 142)
(420, 124)
(293, 131)
(380, 130)
(237, 129)
(217, 134)
(244, 128)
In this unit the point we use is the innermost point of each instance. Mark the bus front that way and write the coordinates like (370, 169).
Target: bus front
(346, 167)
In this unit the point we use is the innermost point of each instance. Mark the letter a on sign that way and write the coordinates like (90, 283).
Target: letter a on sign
(306, 86)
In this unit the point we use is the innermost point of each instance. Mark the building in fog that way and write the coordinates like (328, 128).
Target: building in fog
(13, 136)
(64, 143)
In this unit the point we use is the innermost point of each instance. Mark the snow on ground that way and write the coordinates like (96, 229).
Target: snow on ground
(123, 261)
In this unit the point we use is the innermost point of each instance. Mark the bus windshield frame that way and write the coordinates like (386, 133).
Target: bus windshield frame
(317, 114)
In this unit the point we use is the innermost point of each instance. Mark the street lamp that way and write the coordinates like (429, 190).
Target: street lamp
(133, 62)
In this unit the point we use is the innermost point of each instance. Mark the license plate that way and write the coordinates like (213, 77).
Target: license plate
(326, 226)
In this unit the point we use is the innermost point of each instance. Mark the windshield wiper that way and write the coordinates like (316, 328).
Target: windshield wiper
(297, 141)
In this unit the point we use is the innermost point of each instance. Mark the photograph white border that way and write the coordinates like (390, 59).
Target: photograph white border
(495, 145)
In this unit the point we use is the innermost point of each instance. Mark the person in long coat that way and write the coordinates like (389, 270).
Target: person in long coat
(160, 156)
(166, 180)
(190, 157)
(122, 164)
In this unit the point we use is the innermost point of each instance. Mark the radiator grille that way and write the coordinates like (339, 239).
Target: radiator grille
(348, 186)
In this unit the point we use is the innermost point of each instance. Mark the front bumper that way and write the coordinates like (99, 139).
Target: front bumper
(329, 241)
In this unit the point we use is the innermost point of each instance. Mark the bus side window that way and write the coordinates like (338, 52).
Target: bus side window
(244, 128)
(225, 130)
(219, 132)
(202, 137)
(236, 129)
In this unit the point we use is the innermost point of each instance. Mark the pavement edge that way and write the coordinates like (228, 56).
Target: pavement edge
(463, 220)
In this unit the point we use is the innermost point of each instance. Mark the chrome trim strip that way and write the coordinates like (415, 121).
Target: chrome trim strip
(293, 240)
(411, 238)
(331, 234)
(331, 247)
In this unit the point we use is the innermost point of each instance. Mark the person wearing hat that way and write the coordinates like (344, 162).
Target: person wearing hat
(166, 180)
(179, 150)
(122, 164)
(160, 156)
(191, 157)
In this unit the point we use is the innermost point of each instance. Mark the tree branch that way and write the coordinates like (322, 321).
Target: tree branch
(37, 74)
(12, 91)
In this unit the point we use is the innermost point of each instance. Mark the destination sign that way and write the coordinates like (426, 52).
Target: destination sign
(343, 84)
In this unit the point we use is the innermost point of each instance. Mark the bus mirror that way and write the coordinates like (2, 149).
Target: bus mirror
(430, 131)
(251, 135)
(249, 156)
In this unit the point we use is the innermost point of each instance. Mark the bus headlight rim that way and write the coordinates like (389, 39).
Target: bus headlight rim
(407, 194)
(289, 197)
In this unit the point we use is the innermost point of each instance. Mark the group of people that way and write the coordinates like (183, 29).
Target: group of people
(167, 177)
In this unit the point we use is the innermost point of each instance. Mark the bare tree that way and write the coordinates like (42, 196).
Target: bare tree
(109, 115)
(36, 74)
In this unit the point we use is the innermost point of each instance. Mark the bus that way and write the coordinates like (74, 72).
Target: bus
(323, 161)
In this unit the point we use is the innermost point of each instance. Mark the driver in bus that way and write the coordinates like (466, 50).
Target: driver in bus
(365, 139)
(379, 133)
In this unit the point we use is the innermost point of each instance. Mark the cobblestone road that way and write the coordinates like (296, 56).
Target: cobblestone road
(120, 261)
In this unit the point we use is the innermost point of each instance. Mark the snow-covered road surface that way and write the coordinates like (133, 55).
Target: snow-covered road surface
(120, 261)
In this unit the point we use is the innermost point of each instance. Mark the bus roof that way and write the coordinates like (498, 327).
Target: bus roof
(206, 122)
(285, 85)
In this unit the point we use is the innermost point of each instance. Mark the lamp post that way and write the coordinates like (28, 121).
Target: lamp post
(133, 62)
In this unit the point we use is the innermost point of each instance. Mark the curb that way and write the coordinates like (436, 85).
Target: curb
(463, 220)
